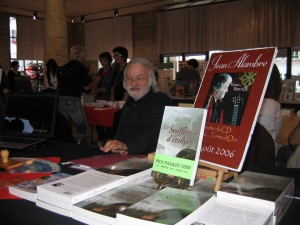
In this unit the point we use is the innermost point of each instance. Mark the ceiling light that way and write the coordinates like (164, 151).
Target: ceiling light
(116, 13)
(34, 16)
(82, 19)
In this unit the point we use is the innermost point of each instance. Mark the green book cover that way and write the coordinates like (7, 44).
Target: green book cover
(167, 206)
(179, 144)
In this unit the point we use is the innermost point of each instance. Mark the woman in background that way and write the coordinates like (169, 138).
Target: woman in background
(12, 73)
(50, 81)
(103, 87)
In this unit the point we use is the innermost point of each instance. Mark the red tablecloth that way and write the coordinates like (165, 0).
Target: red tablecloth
(100, 116)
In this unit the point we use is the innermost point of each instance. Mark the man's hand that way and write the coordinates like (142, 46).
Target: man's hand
(115, 146)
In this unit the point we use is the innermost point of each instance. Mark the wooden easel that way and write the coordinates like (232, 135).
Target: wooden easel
(219, 173)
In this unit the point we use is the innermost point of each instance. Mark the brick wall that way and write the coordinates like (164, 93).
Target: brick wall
(144, 35)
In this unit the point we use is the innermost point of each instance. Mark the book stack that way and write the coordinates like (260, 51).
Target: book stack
(59, 196)
(27, 189)
(270, 191)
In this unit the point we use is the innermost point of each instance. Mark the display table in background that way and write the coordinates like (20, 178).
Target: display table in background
(100, 116)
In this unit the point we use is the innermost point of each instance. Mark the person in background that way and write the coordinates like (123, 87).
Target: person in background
(73, 79)
(120, 55)
(188, 79)
(3, 92)
(142, 113)
(103, 87)
(291, 153)
(51, 81)
(12, 73)
(189, 72)
(269, 115)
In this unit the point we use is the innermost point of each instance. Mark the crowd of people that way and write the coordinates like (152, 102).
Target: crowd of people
(139, 121)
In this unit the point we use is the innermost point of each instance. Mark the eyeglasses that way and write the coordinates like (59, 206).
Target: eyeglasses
(137, 79)
(117, 55)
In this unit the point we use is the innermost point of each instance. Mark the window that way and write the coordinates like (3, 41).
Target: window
(13, 37)
(27, 67)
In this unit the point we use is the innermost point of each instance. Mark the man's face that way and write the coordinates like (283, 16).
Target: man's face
(137, 81)
(222, 91)
(118, 57)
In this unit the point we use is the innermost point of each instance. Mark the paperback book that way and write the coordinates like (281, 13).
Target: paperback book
(167, 206)
(179, 144)
(27, 189)
(232, 91)
(131, 168)
(76, 188)
(220, 211)
(270, 191)
(53, 208)
(66, 192)
(104, 207)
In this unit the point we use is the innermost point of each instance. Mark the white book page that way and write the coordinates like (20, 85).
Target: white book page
(219, 211)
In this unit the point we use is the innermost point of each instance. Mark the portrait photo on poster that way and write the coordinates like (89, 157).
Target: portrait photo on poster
(227, 97)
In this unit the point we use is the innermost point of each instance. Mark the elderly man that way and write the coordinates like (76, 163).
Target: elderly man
(142, 113)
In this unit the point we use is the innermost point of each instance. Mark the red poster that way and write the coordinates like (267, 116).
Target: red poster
(232, 90)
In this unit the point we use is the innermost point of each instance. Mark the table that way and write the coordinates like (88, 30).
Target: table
(103, 117)
(100, 116)
(19, 212)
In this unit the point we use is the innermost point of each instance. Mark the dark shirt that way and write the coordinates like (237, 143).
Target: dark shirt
(216, 111)
(188, 74)
(105, 84)
(72, 77)
(140, 122)
(3, 85)
(119, 90)
(11, 79)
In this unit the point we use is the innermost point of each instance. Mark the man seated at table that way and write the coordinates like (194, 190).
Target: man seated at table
(141, 117)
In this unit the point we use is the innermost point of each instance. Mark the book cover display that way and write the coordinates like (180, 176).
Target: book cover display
(179, 143)
(104, 207)
(232, 91)
(129, 167)
(167, 206)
